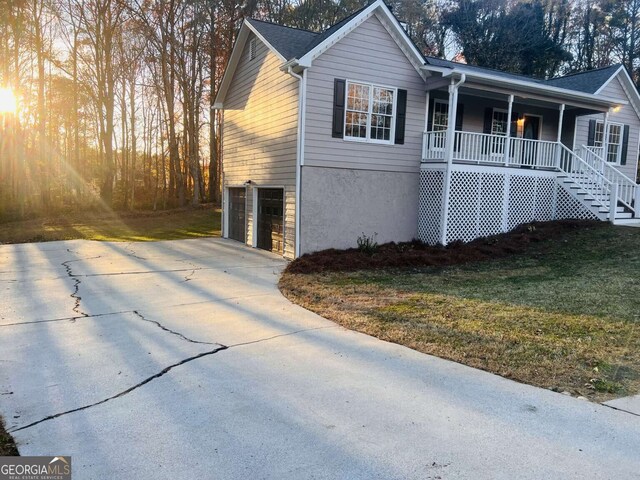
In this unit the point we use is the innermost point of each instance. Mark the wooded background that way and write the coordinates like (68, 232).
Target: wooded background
(114, 96)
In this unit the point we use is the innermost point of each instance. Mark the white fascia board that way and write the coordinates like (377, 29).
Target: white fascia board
(234, 59)
(534, 87)
(629, 88)
(390, 23)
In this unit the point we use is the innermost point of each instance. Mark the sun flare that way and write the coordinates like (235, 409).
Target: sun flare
(8, 103)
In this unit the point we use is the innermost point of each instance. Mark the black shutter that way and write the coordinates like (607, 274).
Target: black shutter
(430, 119)
(401, 116)
(625, 145)
(591, 137)
(338, 108)
(488, 119)
(459, 115)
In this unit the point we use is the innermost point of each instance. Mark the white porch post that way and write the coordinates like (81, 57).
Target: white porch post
(507, 141)
(425, 147)
(605, 136)
(559, 141)
(448, 157)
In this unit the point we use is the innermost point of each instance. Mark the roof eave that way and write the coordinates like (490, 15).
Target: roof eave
(562, 93)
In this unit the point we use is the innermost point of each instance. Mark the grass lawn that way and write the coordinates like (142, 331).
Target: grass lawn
(565, 315)
(116, 226)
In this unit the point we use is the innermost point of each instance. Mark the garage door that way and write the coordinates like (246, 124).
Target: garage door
(237, 197)
(270, 219)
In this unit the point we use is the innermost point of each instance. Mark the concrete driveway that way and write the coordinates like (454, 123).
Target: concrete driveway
(181, 360)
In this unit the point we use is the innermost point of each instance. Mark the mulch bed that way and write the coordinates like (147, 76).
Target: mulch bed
(418, 254)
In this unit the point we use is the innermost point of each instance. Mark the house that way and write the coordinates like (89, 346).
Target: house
(329, 136)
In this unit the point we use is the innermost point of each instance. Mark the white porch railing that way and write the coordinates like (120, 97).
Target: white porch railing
(470, 147)
(587, 168)
(628, 191)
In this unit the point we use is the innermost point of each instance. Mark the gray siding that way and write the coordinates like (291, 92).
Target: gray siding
(626, 115)
(367, 54)
(260, 133)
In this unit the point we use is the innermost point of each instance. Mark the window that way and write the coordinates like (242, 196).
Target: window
(499, 123)
(499, 127)
(615, 140)
(252, 49)
(440, 123)
(370, 113)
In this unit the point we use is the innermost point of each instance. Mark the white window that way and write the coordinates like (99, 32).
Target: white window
(370, 113)
(499, 122)
(440, 115)
(252, 49)
(615, 140)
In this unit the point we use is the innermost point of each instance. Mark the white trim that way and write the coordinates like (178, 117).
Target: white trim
(254, 218)
(368, 139)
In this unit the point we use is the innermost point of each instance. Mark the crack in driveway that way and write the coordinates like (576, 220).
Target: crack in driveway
(139, 315)
(124, 392)
(166, 370)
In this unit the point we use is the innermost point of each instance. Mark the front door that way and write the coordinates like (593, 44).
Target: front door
(531, 131)
(271, 219)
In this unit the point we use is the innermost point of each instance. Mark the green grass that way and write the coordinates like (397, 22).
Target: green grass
(564, 316)
(116, 226)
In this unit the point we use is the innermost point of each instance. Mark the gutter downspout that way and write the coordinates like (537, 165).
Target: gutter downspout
(451, 128)
(302, 107)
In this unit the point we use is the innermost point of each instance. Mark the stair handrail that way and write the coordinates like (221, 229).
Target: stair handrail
(628, 189)
(594, 174)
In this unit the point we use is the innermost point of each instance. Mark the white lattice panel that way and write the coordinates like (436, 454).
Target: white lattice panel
(568, 207)
(522, 196)
(491, 204)
(430, 208)
(464, 195)
(545, 191)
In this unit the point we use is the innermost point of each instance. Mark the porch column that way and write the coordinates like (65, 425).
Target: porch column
(605, 136)
(448, 156)
(559, 141)
(507, 141)
(425, 145)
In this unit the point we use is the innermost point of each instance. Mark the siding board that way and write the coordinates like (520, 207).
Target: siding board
(260, 133)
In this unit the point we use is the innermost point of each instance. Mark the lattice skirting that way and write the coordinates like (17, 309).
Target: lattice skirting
(485, 201)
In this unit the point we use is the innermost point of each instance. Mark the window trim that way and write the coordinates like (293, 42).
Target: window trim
(618, 161)
(368, 139)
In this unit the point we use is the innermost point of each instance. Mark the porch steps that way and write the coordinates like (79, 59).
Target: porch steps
(581, 188)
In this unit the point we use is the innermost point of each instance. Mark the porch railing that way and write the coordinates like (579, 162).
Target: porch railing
(628, 191)
(470, 147)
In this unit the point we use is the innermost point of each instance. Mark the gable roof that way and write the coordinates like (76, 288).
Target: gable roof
(298, 48)
(287, 41)
(587, 82)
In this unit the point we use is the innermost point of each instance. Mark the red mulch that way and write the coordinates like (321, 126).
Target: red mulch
(418, 254)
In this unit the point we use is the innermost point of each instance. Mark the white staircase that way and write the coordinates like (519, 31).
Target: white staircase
(601, 188)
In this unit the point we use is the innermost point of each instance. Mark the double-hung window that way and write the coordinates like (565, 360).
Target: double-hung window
(499, 123)
(370, 113)
(614, 147)
(440, 123)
